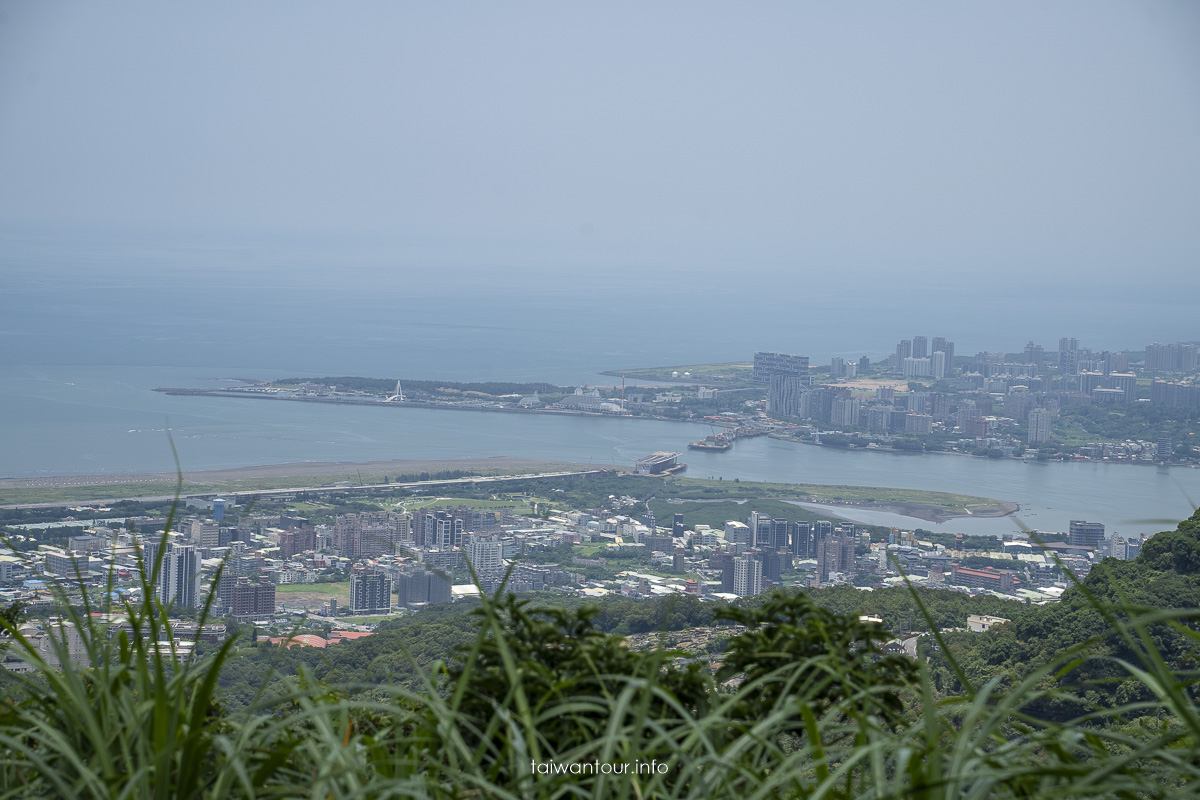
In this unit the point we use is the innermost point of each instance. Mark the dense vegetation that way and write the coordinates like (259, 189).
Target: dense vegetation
(1092, 697)
(1132, 421)
(1165, 576)
(121, 508)
(405, 648)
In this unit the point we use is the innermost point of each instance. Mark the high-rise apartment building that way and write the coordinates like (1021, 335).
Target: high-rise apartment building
(785, 392)
(803, 542)
(918, 423)
(416, 586)
(179, 580)
(1171, 357)
(835, 554)
(370, 593)
(747, 576)
(1126, 382)
(370, 535)
(1134, 546)
(1174, 394)
(943, 345)
(779, 534)
(817, 404)
(768, 364)
(772, 566)
(296, 541)
(738, 533)
(206, 534)
(879, 419)
(822, 530)
(1034, 353)
(723, 562)
(1090, 381)
(1085, 534)
(1039, 426)
(919, 402)
(920, 346)
(243, 598)
(916, 367)
(1116, 362)
(442, 530)
(968, 410)
(760, 525)
(1068, 355)
(939, 364)
(845, 411)
(484, 554)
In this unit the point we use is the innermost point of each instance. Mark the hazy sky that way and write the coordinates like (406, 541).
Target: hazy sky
(1033, 139)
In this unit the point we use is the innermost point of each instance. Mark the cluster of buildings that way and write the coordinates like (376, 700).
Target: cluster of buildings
(181, 567)
(752, 556)
(918, 357)
(747, 557)
(413, 559)
(56, 639)
(787, 380)
(980, 402)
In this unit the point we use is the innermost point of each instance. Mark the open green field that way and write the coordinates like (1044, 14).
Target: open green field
(91, 488)
(943, 503)
(485, 505)
(371, 620)
(91, 492)
(732, 372)
(1070, 433)
(312, 595)
(715, 515)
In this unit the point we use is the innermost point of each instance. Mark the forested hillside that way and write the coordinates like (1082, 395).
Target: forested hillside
(404, 648)
(1165, 576)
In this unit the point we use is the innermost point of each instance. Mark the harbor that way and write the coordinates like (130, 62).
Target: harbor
(723, 441)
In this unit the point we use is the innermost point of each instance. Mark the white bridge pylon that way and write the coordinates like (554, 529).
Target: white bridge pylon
(398, 397)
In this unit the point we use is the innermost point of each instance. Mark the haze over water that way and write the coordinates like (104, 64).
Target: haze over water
(545, 192)
(63, 415)
(350, 309)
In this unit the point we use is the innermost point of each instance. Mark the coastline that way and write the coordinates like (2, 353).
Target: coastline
(929, 513)
(561, 412)
(895, 451)
(580, 413)
(106, 489)
(342, 470)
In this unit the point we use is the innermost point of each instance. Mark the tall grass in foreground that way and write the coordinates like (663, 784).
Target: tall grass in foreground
(815, 716)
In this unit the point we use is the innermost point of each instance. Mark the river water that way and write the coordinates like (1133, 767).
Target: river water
(89, 328)
(94, 420)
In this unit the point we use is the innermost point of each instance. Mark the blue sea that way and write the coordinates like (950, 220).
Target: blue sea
(87, 331)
